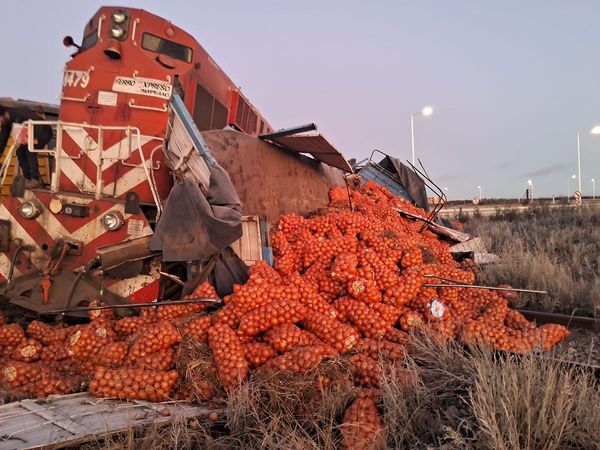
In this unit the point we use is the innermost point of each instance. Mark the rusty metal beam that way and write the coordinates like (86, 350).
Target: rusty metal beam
(289, 131)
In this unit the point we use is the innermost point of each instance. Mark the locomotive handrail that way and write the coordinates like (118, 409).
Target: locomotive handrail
(58, 152)
(100, 20)
(76, 99)
(134, 27)
(149, 108)
(151, 183)
(6, 162)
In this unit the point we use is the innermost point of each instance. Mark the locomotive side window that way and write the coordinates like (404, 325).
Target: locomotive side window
(209, 113)
(89, 41)
(173, 49)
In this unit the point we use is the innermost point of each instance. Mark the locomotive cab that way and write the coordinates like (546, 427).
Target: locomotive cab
(85, 235)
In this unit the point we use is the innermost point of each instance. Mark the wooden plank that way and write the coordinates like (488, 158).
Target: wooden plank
(68, 420)
(472, 245)
(51, 416)
(249, 246)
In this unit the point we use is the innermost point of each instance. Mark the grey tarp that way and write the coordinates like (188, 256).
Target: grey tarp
(412, 182)
(195, 226)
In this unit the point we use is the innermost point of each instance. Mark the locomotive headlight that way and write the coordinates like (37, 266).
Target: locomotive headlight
(30, 209)
(119, 16)
(117, 32)
(113, 220)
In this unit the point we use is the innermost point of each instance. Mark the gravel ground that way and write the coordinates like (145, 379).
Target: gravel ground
(582, 347)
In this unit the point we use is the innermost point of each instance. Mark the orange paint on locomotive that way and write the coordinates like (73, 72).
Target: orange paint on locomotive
(114, 98)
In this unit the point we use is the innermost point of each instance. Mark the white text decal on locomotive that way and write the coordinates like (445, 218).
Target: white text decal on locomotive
(143, 86)
(76, 78)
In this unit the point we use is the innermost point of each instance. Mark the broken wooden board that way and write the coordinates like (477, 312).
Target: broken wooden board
(457, 236)
(67, 420)
(476, 248)
(471, 246)
(483, 258)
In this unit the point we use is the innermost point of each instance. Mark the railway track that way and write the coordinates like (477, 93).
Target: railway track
(581, 349)
(569, 321)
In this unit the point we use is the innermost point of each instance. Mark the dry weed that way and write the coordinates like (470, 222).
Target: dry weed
(476, 398)
(289, 411)
(195, 361)
(557, 250)
(533, 403)
(452, 398)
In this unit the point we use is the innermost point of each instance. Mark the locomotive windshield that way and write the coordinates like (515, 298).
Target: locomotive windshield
(166, 47)
(89, 41)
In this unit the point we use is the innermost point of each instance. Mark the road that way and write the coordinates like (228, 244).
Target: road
(468, 209)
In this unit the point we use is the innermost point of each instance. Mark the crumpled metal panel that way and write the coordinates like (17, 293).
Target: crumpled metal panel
(317, 146)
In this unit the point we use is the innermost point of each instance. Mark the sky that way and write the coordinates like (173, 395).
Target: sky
(511, 82)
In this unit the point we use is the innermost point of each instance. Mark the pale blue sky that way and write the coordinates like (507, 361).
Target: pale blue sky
(511, 82)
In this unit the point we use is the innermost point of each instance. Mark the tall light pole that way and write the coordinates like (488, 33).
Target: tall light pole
(578, 164)
(480, 192)
(426, 111)
(530, 184)
(596, 131)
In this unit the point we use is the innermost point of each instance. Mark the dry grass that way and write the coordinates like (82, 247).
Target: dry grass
(195, 361)
(458, 399)
(547, 249)
(532, 403)
(479, 399)
(287, 411)
(417, 417)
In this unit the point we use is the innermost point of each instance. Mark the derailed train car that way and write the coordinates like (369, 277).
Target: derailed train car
(117, 159)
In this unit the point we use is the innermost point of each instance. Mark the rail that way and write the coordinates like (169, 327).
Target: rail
(570, 321)
(96, 152)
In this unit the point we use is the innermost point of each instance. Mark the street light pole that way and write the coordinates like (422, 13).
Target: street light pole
(596, 131)
(578, 164)
(426, 111)
(480, 192)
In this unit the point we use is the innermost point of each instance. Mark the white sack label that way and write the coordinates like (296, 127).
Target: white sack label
(143, 86)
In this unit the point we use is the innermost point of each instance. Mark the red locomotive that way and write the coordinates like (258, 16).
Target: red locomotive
(111, 129)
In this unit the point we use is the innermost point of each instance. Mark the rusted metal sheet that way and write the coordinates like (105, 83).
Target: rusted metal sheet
(133, 249)
(270, 181)
(317, 146)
